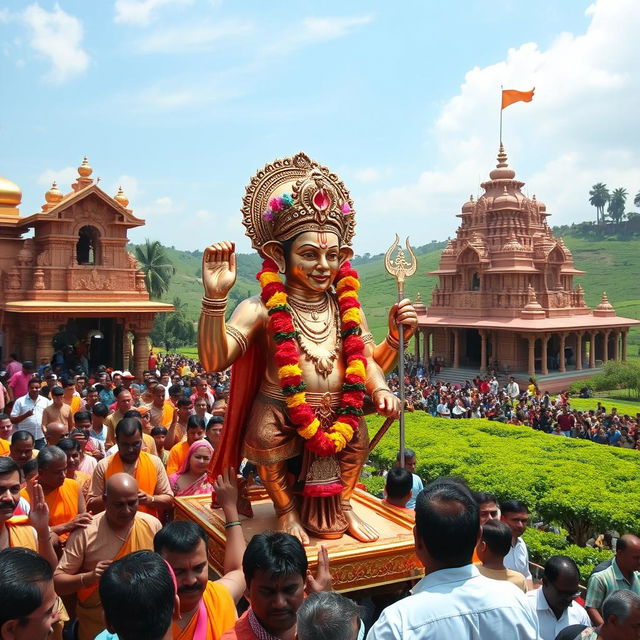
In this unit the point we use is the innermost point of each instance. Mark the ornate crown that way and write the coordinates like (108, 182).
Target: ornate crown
(294, 195)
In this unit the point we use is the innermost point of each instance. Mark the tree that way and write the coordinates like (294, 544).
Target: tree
(636, 199)
(157, 267)
(617, 203)
(598, 197)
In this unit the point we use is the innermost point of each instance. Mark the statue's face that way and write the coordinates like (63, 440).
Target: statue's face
(313, 261)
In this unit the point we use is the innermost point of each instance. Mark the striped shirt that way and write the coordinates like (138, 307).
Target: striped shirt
(604, 583)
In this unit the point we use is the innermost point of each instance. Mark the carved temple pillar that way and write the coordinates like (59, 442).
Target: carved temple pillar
(29, 347)
(624, 346)
(141, 351)
(616, 345)
(418, 337)
(427, 349)
(44, 344)
(579, 350)
(605, 347)
(543, 355)
(483, 350)
(561, 359)
(592, 349)
(532, 355)
(456, 348)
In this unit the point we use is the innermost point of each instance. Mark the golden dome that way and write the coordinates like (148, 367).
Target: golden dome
(121, 198)
(85, 169)
(10, 193)
(469, 206)
(54, 195)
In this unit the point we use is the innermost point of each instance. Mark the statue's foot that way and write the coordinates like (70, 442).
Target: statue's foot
(290, 523)
(359, 529)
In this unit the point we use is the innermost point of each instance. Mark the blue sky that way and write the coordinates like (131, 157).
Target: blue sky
(182, 100)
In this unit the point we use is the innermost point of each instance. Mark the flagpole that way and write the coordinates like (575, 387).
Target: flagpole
(501, 110)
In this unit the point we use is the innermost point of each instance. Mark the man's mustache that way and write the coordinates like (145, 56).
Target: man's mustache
(7, 505)
(196, 588)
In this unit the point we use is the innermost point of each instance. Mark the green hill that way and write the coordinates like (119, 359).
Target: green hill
(611, 265)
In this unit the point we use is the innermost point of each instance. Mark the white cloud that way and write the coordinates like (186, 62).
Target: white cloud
(57, 36)
(367, 174)
(141, 12)
(193, 37)
(64, 178)
(162, 206)
(581, 127)
(203, 214)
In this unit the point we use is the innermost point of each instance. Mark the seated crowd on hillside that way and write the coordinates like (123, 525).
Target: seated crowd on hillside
(90, 466)
(485, 397)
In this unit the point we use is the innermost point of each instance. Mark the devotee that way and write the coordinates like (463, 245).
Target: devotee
(19, 381)
(120, 529)
(203, 391)
(200, 409)
(30, 532)
(397, 490)
(123, 404)
(139, 598)
(54, 432)
(159, 435)
(513, 390)
(491, 549)
(177, 455)
(148, 443)
(215, 427)
(328, 616)
(453, 600)
(91, 399)
(67, 511)
(57, 411)
(13, 365)
(410, 464)
(192, 479)
(178, 428)
(154, 490)
(27, 410)
(99, 430)
(6, 429)
(71, 448)
(621, 615)
(276, 572)
(87, 463)
(184, 546)
(71, 396)
(487, 506)
(161, 409)
(624, 573)
(28, 608)
(516, 514)
(22, 446)
(554, 603)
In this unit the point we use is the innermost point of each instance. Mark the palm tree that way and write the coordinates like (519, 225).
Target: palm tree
(156, 266)
(617, 203)
(636, 200)
(599, 196)
(180, 307)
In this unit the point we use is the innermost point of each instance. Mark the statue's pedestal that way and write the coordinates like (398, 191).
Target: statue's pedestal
(354, 565)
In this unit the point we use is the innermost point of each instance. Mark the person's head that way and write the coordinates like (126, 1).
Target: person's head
(159, 434)
(199, 457)
(165, 379)
(138, 597)
(275, 569)
(560, 583)
(52, 468)
(5, 426)
(328, 616)
(214, 430)
(99, 412)
(81, 436)
(195, 429)
(516, 514)
(57, 396)
(158, 395)
(9, 488)
(621, 615)
(398, 486)
(120, 500)
(27, 367)
(55, 432)
(82, 420)
(116, 378)
(28, 606)
(200, 407)
(184, 409)
(447, 524)
(124, 400)
(129, 439)
(409, 460)
(81, 383)
(487, 505)
(628, 553)
(184, 546)
(69, 387)
(72, 450)
(92, 397)
(175, 393)
(495, 542)
(34, 388)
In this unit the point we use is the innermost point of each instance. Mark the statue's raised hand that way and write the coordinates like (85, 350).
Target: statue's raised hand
(219, 269)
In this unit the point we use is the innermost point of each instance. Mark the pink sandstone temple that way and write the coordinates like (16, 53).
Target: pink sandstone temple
(73, 282)
(506, 298)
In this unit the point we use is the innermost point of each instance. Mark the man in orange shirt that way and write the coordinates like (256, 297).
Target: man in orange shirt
(179, 452)
(6, 428)
(161, 408)
(205, 605)
(71, 396)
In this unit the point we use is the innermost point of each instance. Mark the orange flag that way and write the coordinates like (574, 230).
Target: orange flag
(509, 96)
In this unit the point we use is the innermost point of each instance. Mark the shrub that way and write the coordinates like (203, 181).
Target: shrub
(582, 486)
(374, 485)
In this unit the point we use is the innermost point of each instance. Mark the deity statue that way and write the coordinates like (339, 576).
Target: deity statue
(305, 366)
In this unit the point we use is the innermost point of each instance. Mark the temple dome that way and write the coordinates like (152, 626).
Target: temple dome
(53, 195)
(512, 244)
(85, 169)
(10, 193)
(505, 200)
(469, 206)
(502, 170)
(121, 198)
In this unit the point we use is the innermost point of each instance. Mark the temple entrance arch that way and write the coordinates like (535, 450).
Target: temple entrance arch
(473, 348)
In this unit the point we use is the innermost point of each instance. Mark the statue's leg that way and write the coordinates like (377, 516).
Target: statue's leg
(274, 480)
(352, 459)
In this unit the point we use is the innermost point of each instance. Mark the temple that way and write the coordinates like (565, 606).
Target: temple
(506, 297)
(73, 284)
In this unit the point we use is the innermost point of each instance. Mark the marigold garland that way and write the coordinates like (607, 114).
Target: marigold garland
(287, 356)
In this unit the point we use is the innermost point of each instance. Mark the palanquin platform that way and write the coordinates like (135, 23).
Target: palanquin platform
(354, 565)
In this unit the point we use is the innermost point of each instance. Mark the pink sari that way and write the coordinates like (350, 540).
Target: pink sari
(201, 486)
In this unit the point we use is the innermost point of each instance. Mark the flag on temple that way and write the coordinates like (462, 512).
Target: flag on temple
(509, 96)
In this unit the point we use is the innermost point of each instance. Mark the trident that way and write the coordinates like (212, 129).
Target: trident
(400, 269)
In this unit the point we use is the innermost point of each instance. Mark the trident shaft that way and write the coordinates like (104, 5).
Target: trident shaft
(400, 269)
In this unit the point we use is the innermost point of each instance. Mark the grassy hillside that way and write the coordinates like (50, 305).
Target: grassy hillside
(612, 265)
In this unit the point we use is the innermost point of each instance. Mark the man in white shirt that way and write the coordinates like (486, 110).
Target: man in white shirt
(410, 465)
(27, 412)
(516, 514)
(454, 601)
(513, 389)
(554, 603)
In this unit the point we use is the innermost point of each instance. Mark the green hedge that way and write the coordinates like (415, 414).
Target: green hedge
(582, 486)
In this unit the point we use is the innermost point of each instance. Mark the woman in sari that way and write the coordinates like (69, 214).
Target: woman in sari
(192, 479)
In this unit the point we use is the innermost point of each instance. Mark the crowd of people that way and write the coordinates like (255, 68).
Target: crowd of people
(90, 465)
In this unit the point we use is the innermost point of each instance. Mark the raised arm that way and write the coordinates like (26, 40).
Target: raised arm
(386, 353)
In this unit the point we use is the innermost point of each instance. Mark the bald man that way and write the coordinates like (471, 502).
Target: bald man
(119, 530)
(54, 432)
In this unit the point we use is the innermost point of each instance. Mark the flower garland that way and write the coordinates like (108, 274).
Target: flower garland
(335, 438)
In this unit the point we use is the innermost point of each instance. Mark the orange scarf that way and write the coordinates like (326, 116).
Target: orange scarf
(62, 503)
(4, 447)
(177, 456)
(145, 474)
(21, 533)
